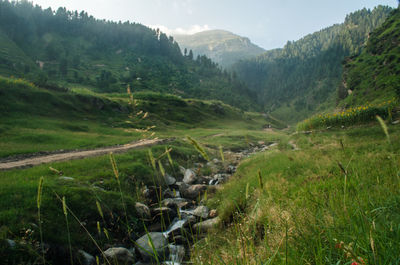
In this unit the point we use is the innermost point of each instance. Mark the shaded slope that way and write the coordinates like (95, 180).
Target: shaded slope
(302, 78)
(374, 75)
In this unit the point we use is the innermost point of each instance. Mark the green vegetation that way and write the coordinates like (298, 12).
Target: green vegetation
(36, 119)
(68, 48)
(325, 197)
(375, 73)
(301, 79)
(223, 47)
(334, 201)
(350, 117)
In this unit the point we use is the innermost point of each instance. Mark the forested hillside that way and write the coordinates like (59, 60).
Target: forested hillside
(375, 73)
(302, 78)
(63, 47)
(223, 47)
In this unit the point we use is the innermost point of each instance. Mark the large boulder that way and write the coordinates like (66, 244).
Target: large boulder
(189, 177)
(142, 210)
(153, 245)
(119, 255)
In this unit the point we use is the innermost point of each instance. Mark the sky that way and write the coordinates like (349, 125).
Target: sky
(268, 23)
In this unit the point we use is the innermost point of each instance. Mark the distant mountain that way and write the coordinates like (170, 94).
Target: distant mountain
(302, 78)
(374, 75)
(66, 48)
(223, 47)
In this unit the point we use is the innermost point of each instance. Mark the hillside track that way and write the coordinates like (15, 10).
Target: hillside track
(73, 155)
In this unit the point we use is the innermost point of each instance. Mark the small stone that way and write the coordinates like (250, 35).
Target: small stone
(213, 213)
(143, 210)
(192, 192)
(182, 170)
(202, 212)
(119, 254)
(206, 225)
(189, 177)
(176, 253)
(11, 243)
(169, 180)
(87, 259)
(160, 244)
(66, 178)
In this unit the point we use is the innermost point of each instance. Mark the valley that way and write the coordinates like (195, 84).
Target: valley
(117, 146)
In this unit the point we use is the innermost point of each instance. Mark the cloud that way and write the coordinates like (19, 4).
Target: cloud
(181, 31)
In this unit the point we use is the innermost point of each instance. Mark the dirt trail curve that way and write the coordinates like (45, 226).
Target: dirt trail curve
(33, 161)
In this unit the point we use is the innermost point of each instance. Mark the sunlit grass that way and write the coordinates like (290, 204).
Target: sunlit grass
(350, 116)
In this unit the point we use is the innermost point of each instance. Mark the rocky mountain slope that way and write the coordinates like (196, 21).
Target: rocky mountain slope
(223, 47)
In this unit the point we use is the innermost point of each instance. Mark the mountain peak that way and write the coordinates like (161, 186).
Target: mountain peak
(222, 46)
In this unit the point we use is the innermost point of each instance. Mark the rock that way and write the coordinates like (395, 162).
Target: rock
(162, 211)
(169, 180)
(192, 192)
(142, 210)
(176, 203)
(189, 177)
(150, 194)
(182, 170)
(10, 243)
(206, 225)
(213, 213)
(202, 212)
(176, 253)
(180, 240)
(168, 194)
(160, 244)
(231, 169)
(155, 227)
(163, 214)
(86, 258)
(66, 178)
(119, 254)
(219, 179)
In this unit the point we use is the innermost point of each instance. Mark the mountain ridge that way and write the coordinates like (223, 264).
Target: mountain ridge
(302, 78)
(222, 46)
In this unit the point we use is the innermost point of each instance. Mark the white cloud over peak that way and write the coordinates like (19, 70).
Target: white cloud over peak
(181, 31)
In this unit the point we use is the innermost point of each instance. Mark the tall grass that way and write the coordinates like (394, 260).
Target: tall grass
(312, 211)
(64, 206)
(351, 116)
(198, 147)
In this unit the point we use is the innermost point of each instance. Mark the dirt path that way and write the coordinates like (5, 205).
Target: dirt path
(33, 161)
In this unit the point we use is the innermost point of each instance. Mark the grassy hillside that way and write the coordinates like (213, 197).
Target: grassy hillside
(67, 48)
(223, 47)
(301, 79)
(35, 119)
(374, 75)
(331, 200)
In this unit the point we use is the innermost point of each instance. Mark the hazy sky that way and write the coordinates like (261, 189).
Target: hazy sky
(268, 23)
